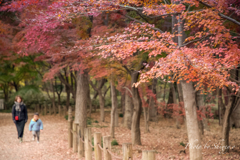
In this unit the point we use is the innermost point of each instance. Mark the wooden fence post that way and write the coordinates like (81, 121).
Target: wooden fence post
(81, 144)
(148, 155)
(127, 151)
(97, 150)
(74, 137)
(70, 128)
(106, 146)
(87, 140)
(151, 155)
(144, 155)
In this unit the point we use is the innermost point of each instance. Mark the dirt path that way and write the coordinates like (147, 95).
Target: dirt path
(53, 140)
(163, 138)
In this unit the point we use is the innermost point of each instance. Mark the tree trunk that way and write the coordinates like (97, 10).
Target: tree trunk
(221, 109)
(164, 91)
(180, 95)
(74, 86)
(194, 140)
(123, 105)
(90, 104)
(15, 86)
(226, 126)
(102, 103)
(152, 106)
(114, 108)
(146, 118)
(128, 110)
(180, 98)
(67, 100)
(174, 96)
(59, 104)
(116, 115)
(235, 116)
(200, 105)
(82, 100)
(5, 91)
(170, 97)
(137, 103)
(170, 102)
(53, 99)
(98, 88)
(189, 99)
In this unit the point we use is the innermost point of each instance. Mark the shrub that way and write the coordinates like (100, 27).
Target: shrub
(114, 142)
(108, 102)
(66, 117)
(95, 102)
(182, 144)
(6, 111)
(89, 121)
(121, 115)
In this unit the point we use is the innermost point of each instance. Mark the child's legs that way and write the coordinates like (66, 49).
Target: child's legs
(34, 134)
(38, 135)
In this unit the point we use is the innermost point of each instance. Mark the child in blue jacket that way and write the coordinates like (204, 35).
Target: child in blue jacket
(36, 125)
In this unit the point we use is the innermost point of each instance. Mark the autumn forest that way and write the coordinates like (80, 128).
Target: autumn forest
(121, 79)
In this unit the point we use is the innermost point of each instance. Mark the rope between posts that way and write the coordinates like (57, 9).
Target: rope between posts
(82, 140)
(100, 146)
(74, 132)
(90, 144)
(113, 155)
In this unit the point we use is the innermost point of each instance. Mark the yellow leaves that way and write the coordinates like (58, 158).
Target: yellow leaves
(59, 15)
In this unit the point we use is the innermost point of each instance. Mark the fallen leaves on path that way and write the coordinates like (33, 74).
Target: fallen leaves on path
(163, 137)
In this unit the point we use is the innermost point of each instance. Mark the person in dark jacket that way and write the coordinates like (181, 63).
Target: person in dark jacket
(19, 116)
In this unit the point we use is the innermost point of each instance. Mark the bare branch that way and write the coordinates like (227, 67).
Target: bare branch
(93, 86)
(222, 15)
(195, 40)
(133, 19)
(228, 18)
(128, 90)
(106, 91)
(127, 69)
(234, 80)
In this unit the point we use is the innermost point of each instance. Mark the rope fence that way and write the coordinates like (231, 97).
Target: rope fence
(113, 154)
(100, 146)
(47, 109)
(82, 140)
(90, 144)
(85, 148)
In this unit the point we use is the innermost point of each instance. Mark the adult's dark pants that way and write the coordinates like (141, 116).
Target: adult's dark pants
(20, 128)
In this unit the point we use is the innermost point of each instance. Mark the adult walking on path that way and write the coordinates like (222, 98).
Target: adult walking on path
(19, 116)
(53, 145)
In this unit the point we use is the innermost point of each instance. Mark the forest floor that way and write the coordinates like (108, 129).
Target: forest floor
(163, 137)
